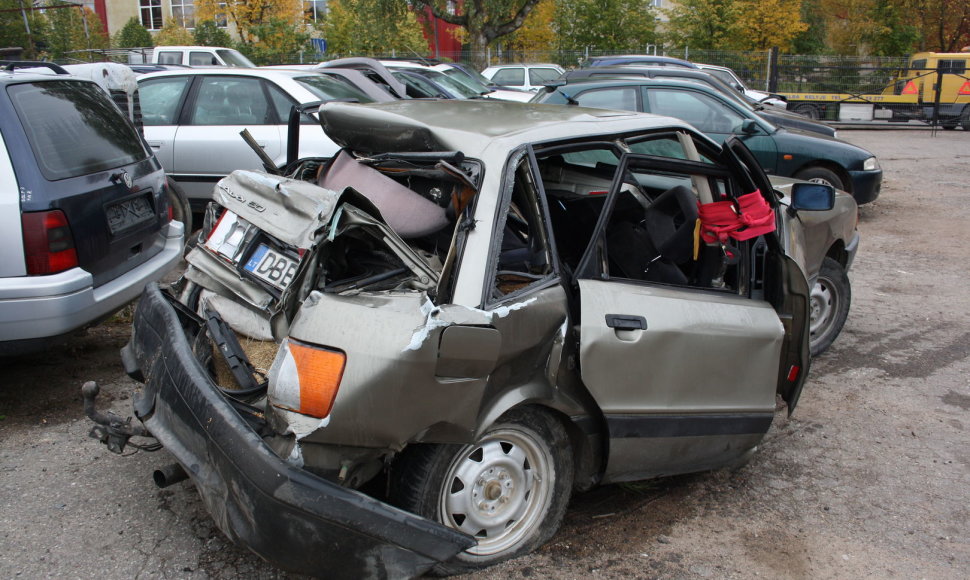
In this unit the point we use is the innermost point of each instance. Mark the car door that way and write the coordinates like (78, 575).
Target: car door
(713, 117)
(162, 99)
(684, 365)
(207, 143)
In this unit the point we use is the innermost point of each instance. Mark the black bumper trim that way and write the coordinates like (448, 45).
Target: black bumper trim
(623, 426)
(285, 514)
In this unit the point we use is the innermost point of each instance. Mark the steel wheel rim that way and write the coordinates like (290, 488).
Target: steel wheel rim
(824, 303)
(821, 180)
(498, 490)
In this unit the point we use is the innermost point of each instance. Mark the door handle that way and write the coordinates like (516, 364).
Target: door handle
(626, 322)
(155, 144)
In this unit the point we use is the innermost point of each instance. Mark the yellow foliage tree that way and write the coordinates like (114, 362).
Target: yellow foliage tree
(372, 27)
(763, 24)
(538, 33)
(246, 15)
(173, 34)
(849, 24)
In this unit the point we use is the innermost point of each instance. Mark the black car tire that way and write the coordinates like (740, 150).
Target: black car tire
(810, 111)
(819, 174)
(965, 118)
(181, 210)
(509, 489)
(829, 305)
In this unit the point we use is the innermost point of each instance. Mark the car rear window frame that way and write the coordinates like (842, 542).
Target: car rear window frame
(56, 143)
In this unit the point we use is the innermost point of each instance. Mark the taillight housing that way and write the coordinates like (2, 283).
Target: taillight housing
(48, 242)
(305, 378)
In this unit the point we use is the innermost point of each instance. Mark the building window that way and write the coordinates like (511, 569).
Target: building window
(314, 10)
(656, 3)
(222, 21)
(183, 12)
(151, 14)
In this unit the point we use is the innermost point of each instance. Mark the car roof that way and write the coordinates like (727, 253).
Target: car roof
(645, 58)
(230, 70)
(472, 126)
(526, 64)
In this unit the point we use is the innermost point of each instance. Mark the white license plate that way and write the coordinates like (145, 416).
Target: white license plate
(271, 266)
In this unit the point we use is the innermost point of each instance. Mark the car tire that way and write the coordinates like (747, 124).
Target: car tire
(810, 111)
(509, 489)
(965, 118)
(819, 174)
(181, 210)
(829, 305)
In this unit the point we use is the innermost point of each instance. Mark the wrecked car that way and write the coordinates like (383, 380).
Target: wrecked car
(409, 356)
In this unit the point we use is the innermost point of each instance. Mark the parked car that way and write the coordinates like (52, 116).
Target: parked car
(84, 215)
(193, 119)
(527, 76)
(785, 152)
(474, 309)
(638, 59)
(731, 78)
(200, 56)
(774, 115)
(470, 85)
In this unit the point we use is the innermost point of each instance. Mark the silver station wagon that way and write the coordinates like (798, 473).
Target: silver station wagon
(409, 356)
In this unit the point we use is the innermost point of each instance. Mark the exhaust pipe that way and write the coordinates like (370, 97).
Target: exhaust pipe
(169, 475)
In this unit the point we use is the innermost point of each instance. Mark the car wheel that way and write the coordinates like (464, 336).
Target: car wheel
(820, 174)
(810, 111)
(829, 305)
(509, 489)
(965, 118)
(181, 210)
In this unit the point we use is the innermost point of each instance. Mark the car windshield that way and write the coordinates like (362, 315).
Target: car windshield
(453, 84)
(472, 78)
(74, 129)
(328, 89)
(235, 58)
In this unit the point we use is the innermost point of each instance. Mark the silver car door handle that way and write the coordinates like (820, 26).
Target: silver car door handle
(626, 322)
(155, 144)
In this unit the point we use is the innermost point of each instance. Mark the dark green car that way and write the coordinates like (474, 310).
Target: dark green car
(785, 152)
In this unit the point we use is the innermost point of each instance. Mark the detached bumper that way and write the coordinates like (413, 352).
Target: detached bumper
(288, 516)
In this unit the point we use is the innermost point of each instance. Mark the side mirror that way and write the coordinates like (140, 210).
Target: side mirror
(739, 88)
(750, 127)
(812, 196)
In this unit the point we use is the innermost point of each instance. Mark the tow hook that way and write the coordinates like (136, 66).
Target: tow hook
(111, 429)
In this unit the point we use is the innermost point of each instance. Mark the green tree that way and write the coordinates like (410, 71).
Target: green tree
(702, 24)
(208, 33)
(482, 21)
(372, 27)
(14, 34)
(133, 34)
(893, 33)
(609, 25)
(277, 42)
(73, 28)
(812, 39)
(173, 34)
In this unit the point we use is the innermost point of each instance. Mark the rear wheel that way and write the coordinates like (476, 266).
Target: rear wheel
(509, 489)
(829, 305)
(818, 174)
(810, 111)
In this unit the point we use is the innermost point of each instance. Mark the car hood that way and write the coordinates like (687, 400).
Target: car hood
(790, 120)
(820, 146)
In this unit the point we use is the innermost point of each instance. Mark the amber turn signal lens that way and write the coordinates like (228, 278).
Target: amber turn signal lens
(320, 371)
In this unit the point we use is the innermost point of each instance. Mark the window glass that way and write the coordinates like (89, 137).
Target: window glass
(511, 77)
(160, 99)
(151, 14)
(700, 110)
(956, 67)
(650, 233)
(327, 89)
(314, 10)
(524, 258)
(623, 98)
(234, 58)
(226, 100)
(202, 58)
(183, 12)
(169, 57)
(538, 76)
(74, 128)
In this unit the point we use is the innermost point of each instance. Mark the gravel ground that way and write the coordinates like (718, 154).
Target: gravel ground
(869, 478)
